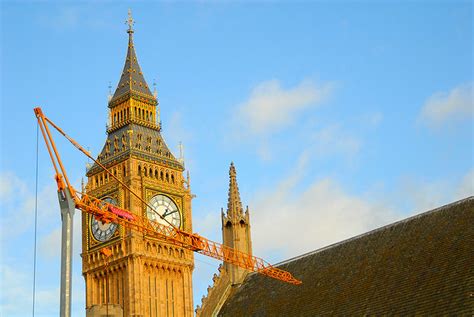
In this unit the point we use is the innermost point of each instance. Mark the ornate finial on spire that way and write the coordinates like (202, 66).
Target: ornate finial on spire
(234, 205)
(132, 80)
(181, 153)
(130, 21)
(158, 116)
(109, 97)
(155, 92)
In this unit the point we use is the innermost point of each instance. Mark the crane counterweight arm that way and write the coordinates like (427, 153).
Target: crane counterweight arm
(107, 212)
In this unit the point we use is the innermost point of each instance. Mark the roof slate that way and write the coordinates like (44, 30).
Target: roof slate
(419, 266)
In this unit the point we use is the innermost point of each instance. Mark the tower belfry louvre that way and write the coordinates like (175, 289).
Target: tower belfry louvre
(144, 276)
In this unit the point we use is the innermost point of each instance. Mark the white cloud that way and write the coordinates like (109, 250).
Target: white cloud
(334, 140)
(454, 105)
(16, 275)
(176, 131)
(9, 184)
(16, 294)
(62, 18)
(320, 215)
(17, 202)
(271, 107)
(466, 188)
(372, 119)
(49, 245)
(423, 195)
(293, 219)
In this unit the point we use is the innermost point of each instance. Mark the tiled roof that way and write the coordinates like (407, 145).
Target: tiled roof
(423, 265)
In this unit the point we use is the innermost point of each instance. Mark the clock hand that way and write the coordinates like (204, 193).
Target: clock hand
(167, 212)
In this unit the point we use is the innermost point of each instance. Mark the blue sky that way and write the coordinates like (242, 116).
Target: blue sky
(340, 117)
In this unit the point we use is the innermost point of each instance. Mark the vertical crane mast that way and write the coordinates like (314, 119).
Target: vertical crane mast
(67, 205)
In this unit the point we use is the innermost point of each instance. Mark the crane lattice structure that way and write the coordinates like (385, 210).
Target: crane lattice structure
(107, 213)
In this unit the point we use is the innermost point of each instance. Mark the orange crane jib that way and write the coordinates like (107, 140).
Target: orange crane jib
(107, 212)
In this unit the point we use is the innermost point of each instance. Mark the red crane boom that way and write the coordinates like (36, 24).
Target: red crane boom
(107, 212)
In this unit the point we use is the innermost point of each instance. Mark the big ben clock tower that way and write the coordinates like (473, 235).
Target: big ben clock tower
(143, 276)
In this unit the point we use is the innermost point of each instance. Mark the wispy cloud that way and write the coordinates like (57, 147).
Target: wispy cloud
(49, 245)
(466, 188)
(332, 140)
(64, 17)
(18, 204)
(271, 107)
(443, 107)
(176, 131)
(71, 16)
(307, 217)
(424, 195)
(371, 119)
(303, 220)
(16, 297)
(17, 201)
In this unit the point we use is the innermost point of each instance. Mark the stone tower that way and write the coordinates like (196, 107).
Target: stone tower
(235, 234)
(235, 227)
(143, 276)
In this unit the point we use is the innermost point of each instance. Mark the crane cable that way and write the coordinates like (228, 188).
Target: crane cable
(36, 218)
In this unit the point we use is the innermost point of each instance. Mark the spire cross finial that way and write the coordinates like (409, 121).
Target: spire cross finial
(110, 91)
(155, 93)
(130, 21)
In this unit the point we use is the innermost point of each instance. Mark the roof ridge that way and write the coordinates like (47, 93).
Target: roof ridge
(420, 215)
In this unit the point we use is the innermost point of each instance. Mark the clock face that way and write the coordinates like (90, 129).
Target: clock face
(166, 207)
(103, 231)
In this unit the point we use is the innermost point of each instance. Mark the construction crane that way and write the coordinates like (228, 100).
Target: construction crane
(107, 212)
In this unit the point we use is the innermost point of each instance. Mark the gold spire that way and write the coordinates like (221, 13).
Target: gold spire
(234, 205)
(132, 80)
